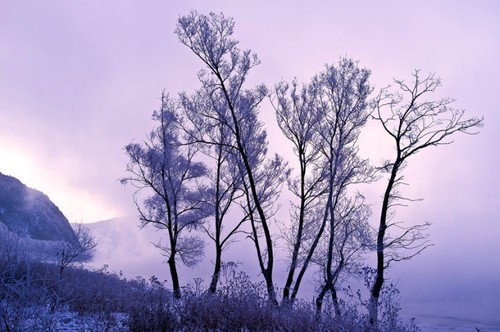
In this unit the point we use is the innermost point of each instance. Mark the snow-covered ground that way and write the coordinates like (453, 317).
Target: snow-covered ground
(70, 322)
(42, 319)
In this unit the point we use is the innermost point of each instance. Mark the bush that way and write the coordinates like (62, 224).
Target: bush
(32, 294)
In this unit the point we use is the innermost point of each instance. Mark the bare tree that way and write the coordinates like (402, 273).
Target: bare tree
(345, 249)
(79, 251)
(166, 168)
(323, 121)
(298, 116)
(207, 116)
(414, 123)
(226, 70)
(346, 89)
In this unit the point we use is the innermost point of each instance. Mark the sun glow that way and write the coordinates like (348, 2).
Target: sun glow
(76, 204)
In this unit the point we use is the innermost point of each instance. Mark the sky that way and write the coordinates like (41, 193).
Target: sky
(80, 79)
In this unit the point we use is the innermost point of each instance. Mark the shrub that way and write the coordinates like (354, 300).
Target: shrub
(31, 295)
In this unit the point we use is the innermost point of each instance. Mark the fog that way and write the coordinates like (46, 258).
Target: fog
(80, 79)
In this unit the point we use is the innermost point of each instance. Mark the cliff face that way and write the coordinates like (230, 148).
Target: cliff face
(30, 214)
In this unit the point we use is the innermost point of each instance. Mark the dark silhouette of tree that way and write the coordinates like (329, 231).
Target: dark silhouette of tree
(345, 249)
(166, 167)
(415, 123)
(206, 127)
(298, 115)
(80, 250)
(226, 70)
(323, 120)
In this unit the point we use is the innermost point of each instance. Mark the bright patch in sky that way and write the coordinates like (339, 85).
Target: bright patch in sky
(77, 205)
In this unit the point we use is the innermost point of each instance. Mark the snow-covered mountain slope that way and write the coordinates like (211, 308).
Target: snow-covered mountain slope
(29, 213)
(31, 225)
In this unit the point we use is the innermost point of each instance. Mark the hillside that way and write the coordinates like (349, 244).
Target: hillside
(30, 213)
(31, 225)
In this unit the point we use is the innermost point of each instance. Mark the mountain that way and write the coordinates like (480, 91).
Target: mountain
(31, 225)
(29, 213)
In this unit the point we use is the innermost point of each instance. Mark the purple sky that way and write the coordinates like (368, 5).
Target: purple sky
(80, 79)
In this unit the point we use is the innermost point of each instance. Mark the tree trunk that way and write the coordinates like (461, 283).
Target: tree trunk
(373, 314)
(298, 239)
(175, 277)
(379, 280)
(335, 300)
(311, 252)
(268, 271)
(271, 293)
(293, 264)
(217, 268)
(319, 299)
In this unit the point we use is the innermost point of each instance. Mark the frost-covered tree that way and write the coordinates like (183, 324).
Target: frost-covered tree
(323, 120)
(226, 69)
(298, 115)
(345, 248)
(206, 127)
(345, 106)
(165, 168)
(414, 121)
(77, 251)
